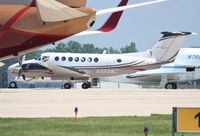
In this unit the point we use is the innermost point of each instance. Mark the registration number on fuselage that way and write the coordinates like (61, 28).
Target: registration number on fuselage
(193, 56)
(107, 71)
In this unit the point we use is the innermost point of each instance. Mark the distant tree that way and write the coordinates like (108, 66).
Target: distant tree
(194, 46)
(129, 48)
(111, 50)
(88, 48)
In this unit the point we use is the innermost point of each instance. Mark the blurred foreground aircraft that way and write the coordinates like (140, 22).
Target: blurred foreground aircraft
(29, 24)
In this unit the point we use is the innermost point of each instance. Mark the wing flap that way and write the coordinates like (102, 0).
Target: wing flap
(53, 11)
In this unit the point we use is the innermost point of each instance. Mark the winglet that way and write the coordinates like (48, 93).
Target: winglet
(113, 20)
(110, 24)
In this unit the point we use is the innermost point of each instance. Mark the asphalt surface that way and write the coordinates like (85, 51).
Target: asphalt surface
(94, 102)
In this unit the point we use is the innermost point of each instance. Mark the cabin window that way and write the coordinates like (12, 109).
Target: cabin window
(57, 58)
(76, 59)
(119, 60)
(63, 58)
(83, 59)
(70, 59)
(96, 60)
(89, 59)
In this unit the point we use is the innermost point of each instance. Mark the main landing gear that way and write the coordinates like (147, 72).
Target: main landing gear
(171, 86)
(85, 85)
(67, 86)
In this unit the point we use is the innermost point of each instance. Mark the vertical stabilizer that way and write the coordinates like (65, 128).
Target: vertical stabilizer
(169, 45)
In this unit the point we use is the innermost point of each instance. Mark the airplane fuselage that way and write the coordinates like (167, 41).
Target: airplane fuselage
(95, 65)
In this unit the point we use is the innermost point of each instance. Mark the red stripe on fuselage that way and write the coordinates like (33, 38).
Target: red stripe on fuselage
(14, 19)
(139, 69)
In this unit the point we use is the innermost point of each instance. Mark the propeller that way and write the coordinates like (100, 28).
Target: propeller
(20, 61)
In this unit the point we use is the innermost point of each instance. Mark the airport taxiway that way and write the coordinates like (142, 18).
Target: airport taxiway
(94, 102)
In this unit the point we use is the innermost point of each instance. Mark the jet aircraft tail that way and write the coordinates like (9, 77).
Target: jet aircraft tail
(168, 46)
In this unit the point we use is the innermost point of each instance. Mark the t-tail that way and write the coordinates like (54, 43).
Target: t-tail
(168, 46)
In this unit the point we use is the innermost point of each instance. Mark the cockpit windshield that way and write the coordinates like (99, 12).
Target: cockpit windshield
(16, 2)
(39, 58)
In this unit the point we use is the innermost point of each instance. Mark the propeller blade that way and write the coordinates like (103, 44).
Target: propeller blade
(19, 73)
(24, 77)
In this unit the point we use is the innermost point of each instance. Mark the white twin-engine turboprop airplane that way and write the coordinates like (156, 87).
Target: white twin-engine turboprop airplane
(75, 67)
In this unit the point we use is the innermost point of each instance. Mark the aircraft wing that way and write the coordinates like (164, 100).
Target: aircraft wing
(68, 71)
(157, 72)
(54, 11)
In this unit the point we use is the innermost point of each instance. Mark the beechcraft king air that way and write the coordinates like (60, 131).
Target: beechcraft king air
(29, 24)
(75, 67)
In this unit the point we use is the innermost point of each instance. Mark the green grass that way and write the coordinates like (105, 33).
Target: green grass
(160, 125)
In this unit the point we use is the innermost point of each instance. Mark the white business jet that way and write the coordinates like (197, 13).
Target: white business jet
(185, 68)
(76, 67)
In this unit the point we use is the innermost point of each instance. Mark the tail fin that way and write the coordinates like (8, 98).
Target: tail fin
(168, 46)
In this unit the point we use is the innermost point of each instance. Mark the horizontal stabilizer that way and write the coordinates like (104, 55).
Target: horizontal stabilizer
(53, 11)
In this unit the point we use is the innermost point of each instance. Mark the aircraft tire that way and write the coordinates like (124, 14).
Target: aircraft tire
(174, 85)
(85, 86)
(13, 84)
(171, 86)
(67, 86)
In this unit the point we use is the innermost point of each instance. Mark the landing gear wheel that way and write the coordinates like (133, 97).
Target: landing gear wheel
(174, 85)
(171, 86)
(67, 86)
(86, 85)
(13, 85)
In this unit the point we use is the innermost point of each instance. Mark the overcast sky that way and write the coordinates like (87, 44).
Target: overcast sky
(144, 24)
